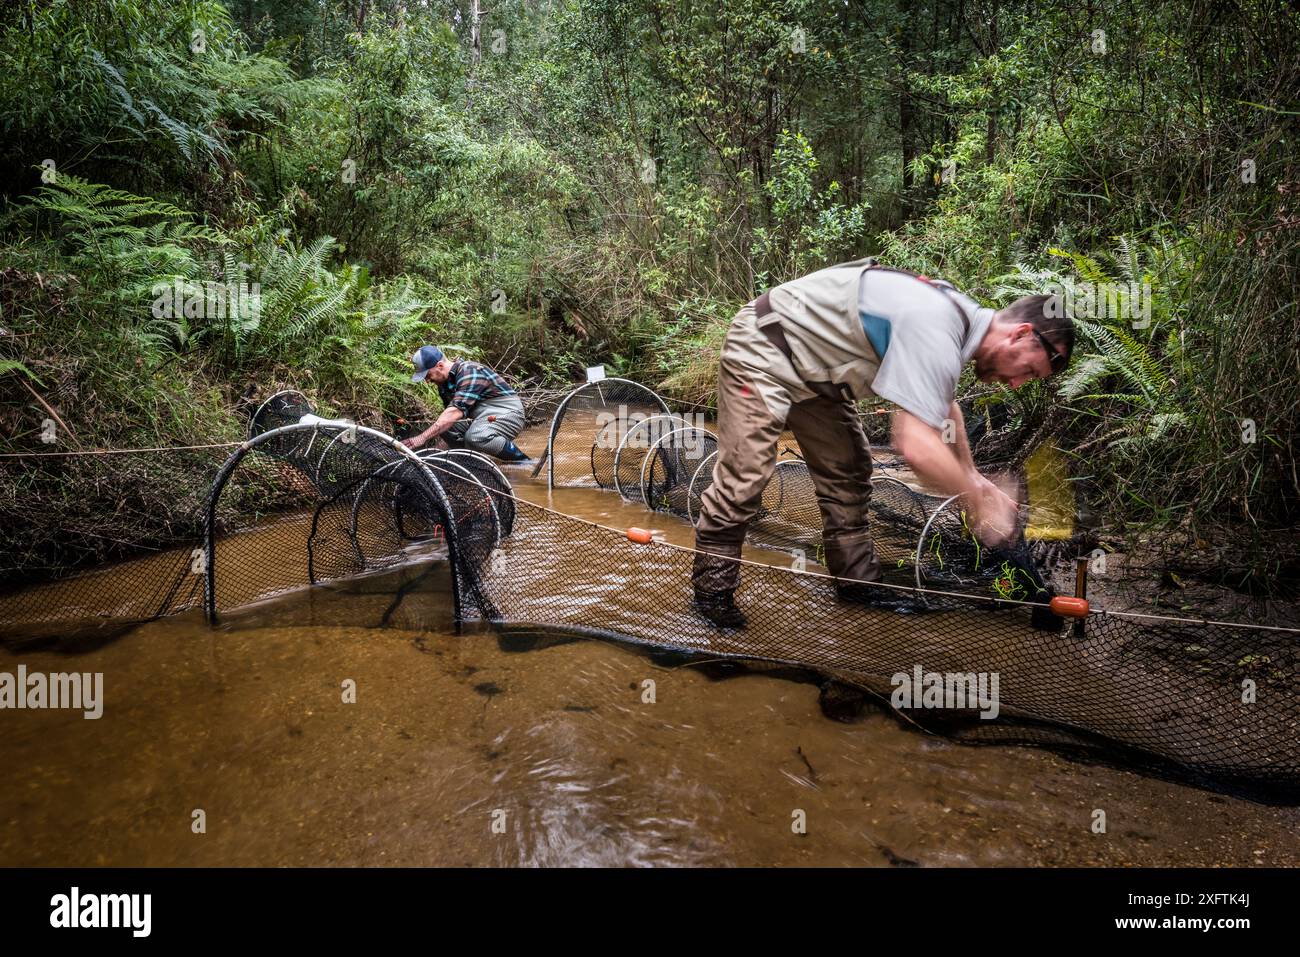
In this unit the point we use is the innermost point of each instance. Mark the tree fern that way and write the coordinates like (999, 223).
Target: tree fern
(13, 365)
(1084, 374)
(327, 303)
(1139, 365)
(1113, 353)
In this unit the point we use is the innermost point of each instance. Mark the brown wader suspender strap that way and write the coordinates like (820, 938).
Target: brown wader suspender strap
(837, 392)
(775, 334)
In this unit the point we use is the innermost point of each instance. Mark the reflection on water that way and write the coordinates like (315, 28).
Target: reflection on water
(527, 748)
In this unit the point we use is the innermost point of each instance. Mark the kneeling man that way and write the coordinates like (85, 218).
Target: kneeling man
(479, 411)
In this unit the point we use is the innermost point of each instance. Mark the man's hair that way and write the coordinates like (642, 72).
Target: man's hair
(1046, 314)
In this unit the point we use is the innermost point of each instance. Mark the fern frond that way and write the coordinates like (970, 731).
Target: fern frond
(1087, 267)
(1083, 375)
(1141, 362)
(116, 84)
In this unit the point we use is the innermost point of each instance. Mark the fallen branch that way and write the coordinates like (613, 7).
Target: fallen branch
(50, 409)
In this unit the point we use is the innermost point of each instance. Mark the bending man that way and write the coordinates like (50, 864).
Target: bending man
(479, 411)
(802, 353)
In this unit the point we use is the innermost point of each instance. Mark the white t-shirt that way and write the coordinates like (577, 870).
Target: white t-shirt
(928, 343)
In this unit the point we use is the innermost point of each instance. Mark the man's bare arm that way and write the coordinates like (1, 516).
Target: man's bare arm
(450, 416)
(948, 468)
(936, 463)
(964, 455)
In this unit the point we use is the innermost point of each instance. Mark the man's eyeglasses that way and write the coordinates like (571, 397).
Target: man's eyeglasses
(1055, 360)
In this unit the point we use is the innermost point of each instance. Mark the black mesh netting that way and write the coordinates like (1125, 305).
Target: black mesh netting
(283, 408)
(670, 465)
(666, 462)
(299, 504)
(1213, 701)
(103, 599)
(362, 504)
(172, 580)
(639, 436)
(1189, 695)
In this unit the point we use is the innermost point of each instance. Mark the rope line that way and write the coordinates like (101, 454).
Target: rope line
(1197, 621)
(161, 448)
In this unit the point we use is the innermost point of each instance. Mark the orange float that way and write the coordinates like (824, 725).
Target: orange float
(1067, 606)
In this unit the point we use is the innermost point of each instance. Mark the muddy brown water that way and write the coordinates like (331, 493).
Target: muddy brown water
(460, 749)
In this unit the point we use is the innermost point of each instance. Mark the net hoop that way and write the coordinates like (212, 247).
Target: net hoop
(654, 449)
(232, 462)
(256, 416)
(549, 456)
(709, 462)
(626, 494)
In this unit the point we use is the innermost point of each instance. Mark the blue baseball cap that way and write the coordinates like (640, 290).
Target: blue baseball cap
(425, 358)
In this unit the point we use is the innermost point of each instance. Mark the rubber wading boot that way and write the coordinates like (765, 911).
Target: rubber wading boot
(513, 453)
(888, 599)
(720, 609)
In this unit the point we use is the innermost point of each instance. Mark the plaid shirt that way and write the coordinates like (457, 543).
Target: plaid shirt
(471, 383)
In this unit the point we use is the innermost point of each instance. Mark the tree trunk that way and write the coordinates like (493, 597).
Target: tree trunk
(475, 41)
(906, 120)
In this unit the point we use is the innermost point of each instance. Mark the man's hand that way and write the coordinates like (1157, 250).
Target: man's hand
(414, 442)
(948, 469)
(994, 513)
